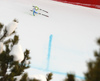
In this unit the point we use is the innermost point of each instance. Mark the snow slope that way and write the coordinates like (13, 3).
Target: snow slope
(74, 29)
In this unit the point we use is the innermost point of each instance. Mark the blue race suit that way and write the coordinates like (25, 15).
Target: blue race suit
(34, 11)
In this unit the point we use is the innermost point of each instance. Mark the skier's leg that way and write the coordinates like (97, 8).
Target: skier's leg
(33, 13)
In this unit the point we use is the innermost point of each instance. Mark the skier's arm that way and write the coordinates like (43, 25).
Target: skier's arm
(36, 12)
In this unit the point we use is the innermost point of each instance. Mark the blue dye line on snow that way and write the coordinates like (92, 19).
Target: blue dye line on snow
(55, 72)
(48, 62)
(49, 50)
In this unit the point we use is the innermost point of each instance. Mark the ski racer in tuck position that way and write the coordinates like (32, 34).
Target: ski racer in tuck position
(35, 8)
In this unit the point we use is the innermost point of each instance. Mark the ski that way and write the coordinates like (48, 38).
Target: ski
(43, 14)
(42, 10)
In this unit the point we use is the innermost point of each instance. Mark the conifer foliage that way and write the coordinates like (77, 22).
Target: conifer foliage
(10, 66)
(70, 77)
(49, 76)
(93, 73)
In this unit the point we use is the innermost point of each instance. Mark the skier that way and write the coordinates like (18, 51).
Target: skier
(35, 8)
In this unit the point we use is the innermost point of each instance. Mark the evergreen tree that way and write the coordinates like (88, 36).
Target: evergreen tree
(9, 67)
(49, 76)
(70, 77)
(93, 73)
(24, 77)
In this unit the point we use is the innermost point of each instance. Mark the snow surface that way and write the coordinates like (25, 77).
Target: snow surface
(75, 30)
(11, 27)
(1, 47)
(17, 53)
(39, 77)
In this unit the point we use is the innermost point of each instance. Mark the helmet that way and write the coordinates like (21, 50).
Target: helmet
(36, 8)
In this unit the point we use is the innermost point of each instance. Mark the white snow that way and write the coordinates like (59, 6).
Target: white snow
(74, 29)
(11, 27)
(1, 47)
(39, 77)
(17, 53)
(27, 62)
